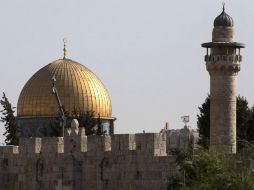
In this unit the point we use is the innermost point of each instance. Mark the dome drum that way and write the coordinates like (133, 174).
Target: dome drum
(41, 126)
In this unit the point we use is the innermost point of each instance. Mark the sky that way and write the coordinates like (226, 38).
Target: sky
(146, 52)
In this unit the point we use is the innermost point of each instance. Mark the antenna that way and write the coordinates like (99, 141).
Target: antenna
(185, 120)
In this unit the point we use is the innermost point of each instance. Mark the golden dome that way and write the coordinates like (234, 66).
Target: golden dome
(77, 86)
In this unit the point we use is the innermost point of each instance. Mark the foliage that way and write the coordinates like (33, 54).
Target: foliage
(203, 123)
(99, 129)
(11, 127)
(244, 122)
(55, 128)
(87, 120)
(203, 170)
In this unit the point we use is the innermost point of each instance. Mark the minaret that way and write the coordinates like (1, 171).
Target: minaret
(223, 64)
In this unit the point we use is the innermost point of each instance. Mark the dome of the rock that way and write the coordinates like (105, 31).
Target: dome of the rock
(78, 88)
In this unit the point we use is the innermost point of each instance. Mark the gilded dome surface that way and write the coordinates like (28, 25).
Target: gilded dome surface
(77, 86)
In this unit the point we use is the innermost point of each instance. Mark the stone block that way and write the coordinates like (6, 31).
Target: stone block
(30, 146)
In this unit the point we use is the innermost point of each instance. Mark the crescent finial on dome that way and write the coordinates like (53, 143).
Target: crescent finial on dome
(65, 49)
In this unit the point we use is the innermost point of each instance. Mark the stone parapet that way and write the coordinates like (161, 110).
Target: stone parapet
(143, 143)
(51, 145)
(123, 161)
(30, 146)
(8, 150)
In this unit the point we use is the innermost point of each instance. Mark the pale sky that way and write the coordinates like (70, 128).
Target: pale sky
(146, 52)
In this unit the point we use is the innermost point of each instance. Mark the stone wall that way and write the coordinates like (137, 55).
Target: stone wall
(117, 162)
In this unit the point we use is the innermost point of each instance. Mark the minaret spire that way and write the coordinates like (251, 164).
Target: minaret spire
(223, 7)
(65, 49)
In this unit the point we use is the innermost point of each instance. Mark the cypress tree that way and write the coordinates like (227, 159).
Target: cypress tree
(11, 127)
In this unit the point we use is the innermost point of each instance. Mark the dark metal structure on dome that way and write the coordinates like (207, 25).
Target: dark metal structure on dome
(61, 109)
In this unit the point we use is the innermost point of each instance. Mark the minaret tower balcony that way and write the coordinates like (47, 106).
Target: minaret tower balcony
(223, 59)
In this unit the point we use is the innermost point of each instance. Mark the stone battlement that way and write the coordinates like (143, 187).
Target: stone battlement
(140, 161)
(143, 143)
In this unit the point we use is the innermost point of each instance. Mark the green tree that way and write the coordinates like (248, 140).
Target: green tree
(86, 119)
(54, 129)
(92, 125)
(203, 123)
(204, 170)
(99, 128)
(11, 127)
(244, 122)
